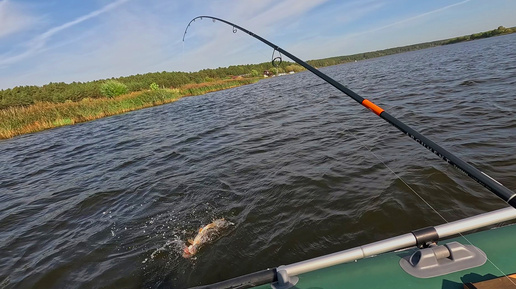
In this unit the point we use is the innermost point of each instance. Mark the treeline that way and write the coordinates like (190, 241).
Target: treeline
(373, 54)
(362, 56)
(59, 92)
(495, 32)
(44, 115)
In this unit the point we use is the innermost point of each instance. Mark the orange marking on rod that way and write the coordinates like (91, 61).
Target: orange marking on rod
(375, 108)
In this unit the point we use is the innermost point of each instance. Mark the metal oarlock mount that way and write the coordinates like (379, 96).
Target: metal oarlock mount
(425, 237)
(441, 260)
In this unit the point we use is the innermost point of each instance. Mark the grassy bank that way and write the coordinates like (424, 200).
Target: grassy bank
(26, 109)
(44, 115)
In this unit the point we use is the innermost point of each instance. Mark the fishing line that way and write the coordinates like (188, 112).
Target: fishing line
(276, 59)
(396, 175)
(423, 199)
(492, 263)
(480, 177)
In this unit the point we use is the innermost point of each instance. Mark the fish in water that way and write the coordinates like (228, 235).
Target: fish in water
(206, 235)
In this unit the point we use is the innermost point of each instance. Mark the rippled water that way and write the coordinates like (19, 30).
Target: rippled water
(300, 169)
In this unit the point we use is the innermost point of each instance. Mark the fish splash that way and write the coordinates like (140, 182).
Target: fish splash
(207, 234)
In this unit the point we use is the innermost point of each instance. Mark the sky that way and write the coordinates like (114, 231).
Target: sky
(70, 40)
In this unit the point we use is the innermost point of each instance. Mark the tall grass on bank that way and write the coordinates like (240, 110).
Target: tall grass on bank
(205, 87)
(44, 115)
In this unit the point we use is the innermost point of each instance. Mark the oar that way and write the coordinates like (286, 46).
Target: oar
(474, 173)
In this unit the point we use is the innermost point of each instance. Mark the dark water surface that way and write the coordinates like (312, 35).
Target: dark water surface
(294, 164)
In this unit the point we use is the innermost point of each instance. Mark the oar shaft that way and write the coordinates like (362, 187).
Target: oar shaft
(371, 249)
(398, 242)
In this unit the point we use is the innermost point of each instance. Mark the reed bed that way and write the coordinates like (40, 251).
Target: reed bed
(45, 115)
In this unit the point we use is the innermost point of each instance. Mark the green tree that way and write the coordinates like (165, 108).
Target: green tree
(112, 88)
(154, 86)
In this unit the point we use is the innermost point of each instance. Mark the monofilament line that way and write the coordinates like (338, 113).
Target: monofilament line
(423, 199)
(396, 175)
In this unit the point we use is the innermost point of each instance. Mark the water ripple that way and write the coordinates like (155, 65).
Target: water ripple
(109, 203)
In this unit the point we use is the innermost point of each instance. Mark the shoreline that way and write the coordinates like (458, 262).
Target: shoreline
(15, 121)
(27, 112)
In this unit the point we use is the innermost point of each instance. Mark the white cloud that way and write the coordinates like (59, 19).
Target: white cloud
(12, 19)
(356, 10)
(145, 36)
(44, 36)
(277, 15)
(213, 45)
(37, 44)
(130, 40)
(410, 19)
(139, 39)
(369, 40)
(289, 10)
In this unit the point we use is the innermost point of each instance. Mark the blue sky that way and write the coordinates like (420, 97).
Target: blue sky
(66, 40)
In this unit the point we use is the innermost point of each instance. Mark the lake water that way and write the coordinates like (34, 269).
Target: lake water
(300, 169)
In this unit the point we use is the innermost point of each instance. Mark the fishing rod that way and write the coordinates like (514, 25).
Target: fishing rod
(474, 173)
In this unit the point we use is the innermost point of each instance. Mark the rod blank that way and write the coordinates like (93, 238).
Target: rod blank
(477, 175)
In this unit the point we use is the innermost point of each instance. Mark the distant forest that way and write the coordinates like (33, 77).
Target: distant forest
(362, 56)
(60, 92)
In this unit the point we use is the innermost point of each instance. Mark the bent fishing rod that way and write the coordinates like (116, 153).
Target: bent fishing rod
(474, 173)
